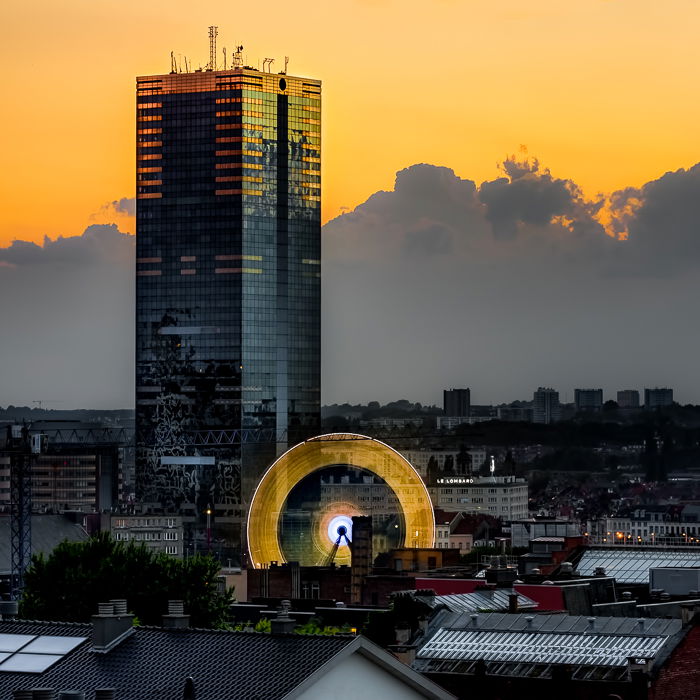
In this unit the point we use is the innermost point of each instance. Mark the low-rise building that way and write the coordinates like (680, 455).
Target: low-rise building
(160, 533)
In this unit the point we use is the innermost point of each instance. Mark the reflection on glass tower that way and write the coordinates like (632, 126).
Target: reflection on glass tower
(227, 286)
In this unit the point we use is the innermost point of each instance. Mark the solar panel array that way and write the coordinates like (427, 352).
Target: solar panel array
(29, 653)
(632, 565)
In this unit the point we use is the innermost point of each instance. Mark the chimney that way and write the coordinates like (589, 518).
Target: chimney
(591, 624)
(43, 693)
(512, 603)
(176, 618)
(105, 694)
(283, 623)
(109, 628)
(528, 622)
(474, 620)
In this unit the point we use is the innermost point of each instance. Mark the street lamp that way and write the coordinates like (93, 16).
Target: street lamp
(208, 512)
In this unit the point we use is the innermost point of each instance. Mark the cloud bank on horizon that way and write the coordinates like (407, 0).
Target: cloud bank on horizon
(504, 286)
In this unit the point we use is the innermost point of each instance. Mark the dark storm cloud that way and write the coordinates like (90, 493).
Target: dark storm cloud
(125, 205)
(99, 243)
(529, 195)
(69, 305)
(516, 283)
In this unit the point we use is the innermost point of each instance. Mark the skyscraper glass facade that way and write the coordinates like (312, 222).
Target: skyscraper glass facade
(227, 284)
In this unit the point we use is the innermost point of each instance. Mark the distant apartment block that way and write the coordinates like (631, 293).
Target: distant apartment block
(456, 402)
(504, 497)
(447, 460)
(657, 398)
(545, 406)
(77, 478)
(515, 414)
(588, 399)
(158, 533)
(628, 398)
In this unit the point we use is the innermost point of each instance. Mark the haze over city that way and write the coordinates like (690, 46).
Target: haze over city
(465, 149)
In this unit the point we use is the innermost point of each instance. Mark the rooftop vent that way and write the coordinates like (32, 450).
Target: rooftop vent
(176, 618)
(105, 694)
(22, 694)
(475, 620)
(283, 623)
(71, 695)
(43, 693)
(591, 624)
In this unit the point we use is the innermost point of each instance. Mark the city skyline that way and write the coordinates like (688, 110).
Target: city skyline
(516, 275)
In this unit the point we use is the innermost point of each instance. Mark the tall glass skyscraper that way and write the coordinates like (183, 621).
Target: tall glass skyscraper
(227, 287)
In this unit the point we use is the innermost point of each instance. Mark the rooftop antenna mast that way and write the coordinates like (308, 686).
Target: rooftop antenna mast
(286, 63)
(213, 33)
(173, 63)
(225, 61)
(492, 467)
(237, 57)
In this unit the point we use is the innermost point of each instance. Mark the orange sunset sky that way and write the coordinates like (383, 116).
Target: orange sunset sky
(604, 92)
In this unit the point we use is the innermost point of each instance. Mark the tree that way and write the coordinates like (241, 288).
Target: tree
(69, 583)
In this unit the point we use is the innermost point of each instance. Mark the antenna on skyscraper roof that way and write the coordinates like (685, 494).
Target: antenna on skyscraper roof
(237, 57)
(225, 62)
(213, 33)
(286, 63)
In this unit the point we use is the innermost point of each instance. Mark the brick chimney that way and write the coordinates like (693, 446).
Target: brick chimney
(111, 626)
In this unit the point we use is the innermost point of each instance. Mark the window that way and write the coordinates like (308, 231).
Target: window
(171, 549)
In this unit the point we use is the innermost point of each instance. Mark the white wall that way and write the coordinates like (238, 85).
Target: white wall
(358, 678)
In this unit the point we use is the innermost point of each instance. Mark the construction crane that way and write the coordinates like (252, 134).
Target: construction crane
(342, 533)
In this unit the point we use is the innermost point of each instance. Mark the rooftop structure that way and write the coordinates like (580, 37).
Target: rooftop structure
(533, 646)
(632, 565)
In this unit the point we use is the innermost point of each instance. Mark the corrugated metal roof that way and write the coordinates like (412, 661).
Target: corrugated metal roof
(496, 599)
(632, 565)
(523, 645)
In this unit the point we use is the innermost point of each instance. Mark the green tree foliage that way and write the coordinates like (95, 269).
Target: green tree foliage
(69, 583)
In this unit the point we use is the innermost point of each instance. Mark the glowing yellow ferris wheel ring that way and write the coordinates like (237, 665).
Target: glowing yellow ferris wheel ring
(327, 451)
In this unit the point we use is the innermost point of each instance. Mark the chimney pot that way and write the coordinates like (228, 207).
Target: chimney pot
(475, 620)
(105, 694)
(119, 606)
(176, 607)
(640, 624)
(528, 621)
(105, 609)
(43, 693)
(591, 623)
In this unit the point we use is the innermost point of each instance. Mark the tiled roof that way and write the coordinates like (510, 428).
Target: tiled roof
(152, 664)
(529, 646)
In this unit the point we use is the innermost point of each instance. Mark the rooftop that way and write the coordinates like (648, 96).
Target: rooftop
(530, 646)
(632, 565)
